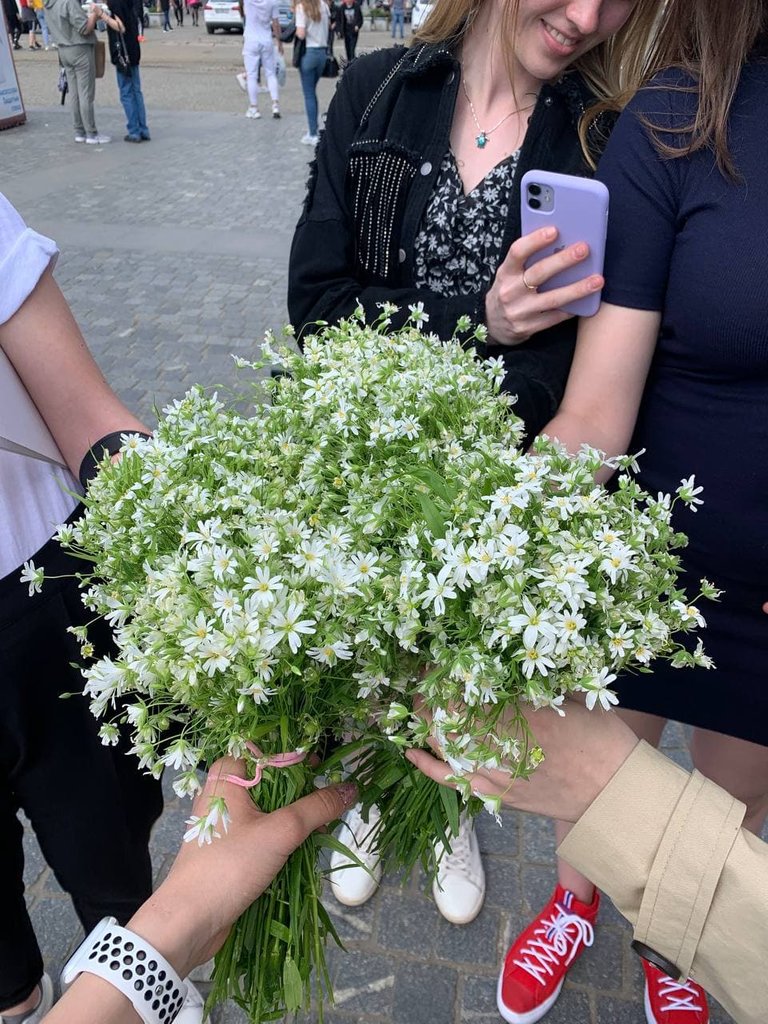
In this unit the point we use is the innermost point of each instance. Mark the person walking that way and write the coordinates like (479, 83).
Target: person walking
(313, 26)
(350, 17)
(194, 10)
(28, 22)
(397, 13)
(165, 10)
(261, 34)
(73, 31)
(123, 31)
(39, 8)
(178, 13)
(14, 22)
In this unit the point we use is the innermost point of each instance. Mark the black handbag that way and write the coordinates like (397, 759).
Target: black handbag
(331, 68)
(299, 49)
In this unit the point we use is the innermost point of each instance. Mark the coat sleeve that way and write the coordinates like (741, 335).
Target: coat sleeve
(668, 849)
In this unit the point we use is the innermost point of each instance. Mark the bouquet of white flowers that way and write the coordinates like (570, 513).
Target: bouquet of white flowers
(372, 534)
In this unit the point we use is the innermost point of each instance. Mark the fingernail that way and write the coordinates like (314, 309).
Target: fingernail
(580, 251)
(595, 284)
(348, 792)
(550, 232)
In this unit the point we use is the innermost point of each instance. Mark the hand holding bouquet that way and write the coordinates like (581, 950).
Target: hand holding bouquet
(372, 534)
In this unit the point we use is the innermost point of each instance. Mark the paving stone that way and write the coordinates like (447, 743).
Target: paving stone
(364, 983)
(57, 928)
(424, 994)
(538, 839)
(601, 966)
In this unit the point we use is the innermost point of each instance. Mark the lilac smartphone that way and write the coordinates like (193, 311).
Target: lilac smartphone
(578, 208)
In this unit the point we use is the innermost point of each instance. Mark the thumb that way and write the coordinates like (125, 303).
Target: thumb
(312, 812)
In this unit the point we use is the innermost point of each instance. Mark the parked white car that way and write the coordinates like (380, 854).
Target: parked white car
(222, 14)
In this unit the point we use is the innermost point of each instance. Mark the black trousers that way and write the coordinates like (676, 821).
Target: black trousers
(91, 808)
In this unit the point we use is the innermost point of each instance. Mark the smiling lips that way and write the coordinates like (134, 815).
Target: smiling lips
(558, 37)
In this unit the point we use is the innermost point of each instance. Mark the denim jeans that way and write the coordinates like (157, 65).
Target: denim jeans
(398, 18)
(43, 27)
(133, 103)
(312, 64)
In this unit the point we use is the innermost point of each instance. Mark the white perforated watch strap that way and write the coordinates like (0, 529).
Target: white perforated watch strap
(134, 967)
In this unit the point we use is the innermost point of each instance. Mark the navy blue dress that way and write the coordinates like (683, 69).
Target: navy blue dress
(686, 241)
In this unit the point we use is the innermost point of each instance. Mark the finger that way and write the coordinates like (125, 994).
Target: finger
(316, 810)
(765, 607)
(568, 294)
(543, 270)
(430, 766)
(527, 246)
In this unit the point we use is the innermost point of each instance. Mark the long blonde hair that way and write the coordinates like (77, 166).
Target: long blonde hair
(312, 9)
(614, 70)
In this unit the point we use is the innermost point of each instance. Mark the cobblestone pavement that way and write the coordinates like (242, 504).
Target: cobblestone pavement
(174, 256)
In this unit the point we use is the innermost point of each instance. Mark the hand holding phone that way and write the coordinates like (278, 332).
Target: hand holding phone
(578, 209)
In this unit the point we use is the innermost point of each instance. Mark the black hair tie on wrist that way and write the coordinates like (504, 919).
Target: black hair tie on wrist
(110, 444)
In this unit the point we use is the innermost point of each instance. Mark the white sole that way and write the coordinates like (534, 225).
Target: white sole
(533, 1015)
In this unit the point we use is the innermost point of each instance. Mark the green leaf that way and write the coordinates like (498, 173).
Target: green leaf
(292, 985)
(431, 515)
(279, 931)
(451, 805)
(434, 481)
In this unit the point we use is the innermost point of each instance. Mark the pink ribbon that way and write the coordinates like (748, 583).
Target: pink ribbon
(262, 762)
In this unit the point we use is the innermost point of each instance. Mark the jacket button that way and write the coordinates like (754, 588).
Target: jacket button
(426, 168)
(401, 255)
(547, 101)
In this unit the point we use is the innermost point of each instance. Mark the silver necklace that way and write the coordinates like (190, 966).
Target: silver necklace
(482, 136)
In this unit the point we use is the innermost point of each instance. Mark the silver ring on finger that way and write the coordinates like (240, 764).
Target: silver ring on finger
(528, 285)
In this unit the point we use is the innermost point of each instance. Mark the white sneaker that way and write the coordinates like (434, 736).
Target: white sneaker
(310, 140)
(46, 1002)
(98, 140)
(242, 81)
(192, 1008)
(252, 112)
(351, 884)
(276, 110)
(80, 138)
(459, 887)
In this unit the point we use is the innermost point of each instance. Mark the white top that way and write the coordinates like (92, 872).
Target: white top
(259, 15)
(33, 500)
(317, 31)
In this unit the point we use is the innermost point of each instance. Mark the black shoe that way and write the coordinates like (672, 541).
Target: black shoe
(131, 138)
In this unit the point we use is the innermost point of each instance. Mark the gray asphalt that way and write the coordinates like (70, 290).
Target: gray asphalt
(174, 256)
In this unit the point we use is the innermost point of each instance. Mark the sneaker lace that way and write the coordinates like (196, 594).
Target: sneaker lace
(679, 994)
(460, 856)
(561, 935)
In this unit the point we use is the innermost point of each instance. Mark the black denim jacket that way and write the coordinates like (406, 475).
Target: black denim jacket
(386, 134)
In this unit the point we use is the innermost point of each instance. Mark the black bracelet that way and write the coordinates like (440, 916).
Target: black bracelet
(110, 444)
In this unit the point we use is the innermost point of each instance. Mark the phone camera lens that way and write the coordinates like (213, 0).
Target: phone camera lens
(534, 190)
(535, 204)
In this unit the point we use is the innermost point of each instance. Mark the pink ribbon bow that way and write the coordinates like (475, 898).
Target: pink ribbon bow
(262, 762)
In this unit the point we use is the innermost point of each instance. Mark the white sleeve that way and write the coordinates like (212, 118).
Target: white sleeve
(301, 18)
(24, 257)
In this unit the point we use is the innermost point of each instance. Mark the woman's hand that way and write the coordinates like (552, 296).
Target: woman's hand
(209, 886)
(582, 752)
(514, 310)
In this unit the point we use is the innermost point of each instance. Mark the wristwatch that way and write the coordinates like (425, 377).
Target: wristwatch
(133, 966)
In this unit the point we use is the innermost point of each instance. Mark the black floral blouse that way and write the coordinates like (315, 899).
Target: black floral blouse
(458, 247)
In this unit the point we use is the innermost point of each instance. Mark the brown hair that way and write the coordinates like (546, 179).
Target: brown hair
(614, 70)
(710, 41)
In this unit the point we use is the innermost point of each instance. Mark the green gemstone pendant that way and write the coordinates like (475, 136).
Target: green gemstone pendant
(481, 140)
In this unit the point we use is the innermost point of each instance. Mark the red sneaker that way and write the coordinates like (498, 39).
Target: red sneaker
(536, 965)
(673, 1002)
